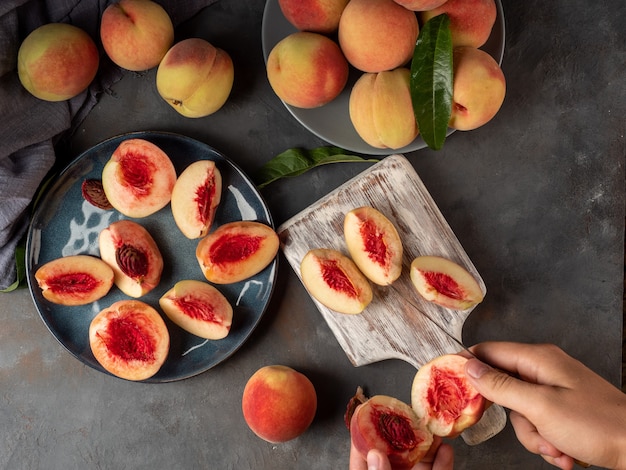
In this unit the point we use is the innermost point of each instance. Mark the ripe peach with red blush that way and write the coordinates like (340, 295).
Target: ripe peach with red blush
(442, 396)
(236, 251)
(374, 244)
(307, 70)
(420, 5)
(74, 280)
(57, 61)
(139, 178)
(317, 16)
(377, 35)
(129, 339)
(335, 281)
(445, 282)
(136, 34)
(133, 255)
(279, 403)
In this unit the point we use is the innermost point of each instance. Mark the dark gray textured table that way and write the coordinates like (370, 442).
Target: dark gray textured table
(536, 197)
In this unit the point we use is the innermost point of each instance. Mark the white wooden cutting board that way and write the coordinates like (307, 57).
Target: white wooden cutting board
(390, 328)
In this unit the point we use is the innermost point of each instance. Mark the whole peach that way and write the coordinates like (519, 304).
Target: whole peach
(318, 16)
(478, 90)
(377, 35)
(471, 21)
(307, 70)
(136, 34)
(420, 5)
(381, 109)
(195, 77)
(57, 61)
(279, 403)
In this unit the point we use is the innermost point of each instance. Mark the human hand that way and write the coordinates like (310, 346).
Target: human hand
(560, 409)
(439, 457)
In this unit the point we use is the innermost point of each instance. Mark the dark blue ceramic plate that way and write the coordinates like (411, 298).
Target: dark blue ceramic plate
(65, 224)
(331, 122)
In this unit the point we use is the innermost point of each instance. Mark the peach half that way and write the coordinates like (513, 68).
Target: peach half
(136, 34)
(374, 244)
(445, 282)
(278, 403)
(74, 280)
(195, 78)
(335, 281)
(471, 21)
(307, 70)
(377, 35)
(57, 61)
(236, 251)
(133, 255)
(199, 308)
(392, 427)
(129, 339)
(195, 197)
(139, 178)
(381, 109)
(442, 396)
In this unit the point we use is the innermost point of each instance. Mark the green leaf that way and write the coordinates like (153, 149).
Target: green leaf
(295, 161)
(431, 80)
(20, 266)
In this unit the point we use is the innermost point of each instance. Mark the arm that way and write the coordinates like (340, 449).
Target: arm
(560, 409)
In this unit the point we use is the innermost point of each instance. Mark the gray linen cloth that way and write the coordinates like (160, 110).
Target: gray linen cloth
(29, 127)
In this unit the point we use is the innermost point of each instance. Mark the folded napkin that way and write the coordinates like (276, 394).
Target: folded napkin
(29, 127)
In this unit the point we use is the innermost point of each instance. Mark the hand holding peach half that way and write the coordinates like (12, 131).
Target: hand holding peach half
(278, 403)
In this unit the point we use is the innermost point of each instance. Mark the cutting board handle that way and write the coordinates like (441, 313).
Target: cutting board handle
(493, 421)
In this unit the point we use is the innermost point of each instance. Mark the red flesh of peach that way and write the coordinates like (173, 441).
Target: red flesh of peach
(74, 280)
(391, 426)
(129, 339)
(444, 398)
(236, 251)
(334, 280)
(198, 308)
(374, 244)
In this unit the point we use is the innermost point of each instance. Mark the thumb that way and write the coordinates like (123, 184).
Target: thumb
(498, 386)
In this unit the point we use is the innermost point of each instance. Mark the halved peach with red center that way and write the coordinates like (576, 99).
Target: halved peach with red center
(236, 251)
(442, 396)
(445, 282)
(133, 255)
(139, 178)
(129, 339)
(198, 308)
(374, 244)
(195, 197)
(335, 281)
(74, 280)
(391, 426)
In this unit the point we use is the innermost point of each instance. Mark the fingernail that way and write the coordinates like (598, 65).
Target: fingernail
(373, 460)
(476, 368)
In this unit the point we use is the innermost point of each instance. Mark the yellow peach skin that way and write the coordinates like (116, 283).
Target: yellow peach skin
(136, 34)
(420, 5)
(57, 61)
(381, 109)
(317, 16)
(195, 78)
(471, 21)
(377, 35)
(307, 70)
(479, 88)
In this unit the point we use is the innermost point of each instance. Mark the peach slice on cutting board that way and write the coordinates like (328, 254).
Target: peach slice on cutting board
(139, 178)
(374, 244)
(335, 281)
(195, 197)
(129, 339)
(133, 255)
(444, 398)
(236, 251)
(199, 308)
(445, 282)
(74, 280)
